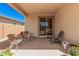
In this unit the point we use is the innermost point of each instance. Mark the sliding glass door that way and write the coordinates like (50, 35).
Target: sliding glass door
(45, 26)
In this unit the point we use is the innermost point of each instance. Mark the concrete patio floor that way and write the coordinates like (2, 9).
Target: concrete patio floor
(35, 43)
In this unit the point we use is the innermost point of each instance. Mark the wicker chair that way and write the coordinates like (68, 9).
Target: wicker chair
(25, 34)
(59, 39)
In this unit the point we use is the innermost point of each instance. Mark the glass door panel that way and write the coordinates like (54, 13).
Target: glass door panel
(49, 27)
(45, 26)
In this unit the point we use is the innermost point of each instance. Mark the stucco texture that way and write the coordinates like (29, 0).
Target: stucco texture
(67, 19)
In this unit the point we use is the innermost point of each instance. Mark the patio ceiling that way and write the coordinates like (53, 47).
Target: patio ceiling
(37, 8)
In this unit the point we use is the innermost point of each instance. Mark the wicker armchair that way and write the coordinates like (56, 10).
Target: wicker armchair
(59, 39)
(25, 34)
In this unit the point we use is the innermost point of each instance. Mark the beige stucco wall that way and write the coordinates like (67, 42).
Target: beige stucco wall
(12, 29)
(31, 23)
(1, 32)
(6, 29)
(67, 19)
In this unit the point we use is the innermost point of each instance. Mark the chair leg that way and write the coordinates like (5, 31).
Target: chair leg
(50, 39)
(60, 43)
(52, 42)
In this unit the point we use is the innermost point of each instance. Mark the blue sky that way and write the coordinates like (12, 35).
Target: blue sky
(7, 11)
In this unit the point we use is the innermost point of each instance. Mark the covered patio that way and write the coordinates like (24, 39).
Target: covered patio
(58, 16)
(47, 20)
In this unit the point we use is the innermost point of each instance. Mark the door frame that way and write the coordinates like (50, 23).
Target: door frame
(53, 26)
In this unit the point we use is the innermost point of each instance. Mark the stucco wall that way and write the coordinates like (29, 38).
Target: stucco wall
(1, 33)
(67, 19)
(6, 29)
(31, 23)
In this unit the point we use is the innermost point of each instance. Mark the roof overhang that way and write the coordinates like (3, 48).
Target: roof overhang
(18, 8)
(36, 8)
